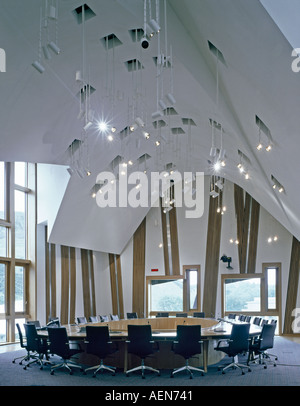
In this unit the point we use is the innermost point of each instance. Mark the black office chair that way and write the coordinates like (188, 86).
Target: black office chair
(59, 345)
(248, 319)
(99, 344)
(93, 319)
(132, 315)
(257, 321)
(104, 318)
(81, 320)
(140, 343)
(35, 322)
(162, 314)
(36, 345)
(237, 344)
(232, 316)
(187, 345)
(261, 344)
(241, 317)
(23, 344)
(181, 314)
(114, 317)
(199, 314)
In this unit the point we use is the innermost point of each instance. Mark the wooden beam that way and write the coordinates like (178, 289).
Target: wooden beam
(138, 286)
(85, 283)
(64, 303)
(165, 239)
(253, 236)
(72, 284)
(120, 287)
(174, 241)
(53, 310)
(113, 283)
(293, 283)
(212, 257)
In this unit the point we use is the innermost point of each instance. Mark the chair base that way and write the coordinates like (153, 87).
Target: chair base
(38, 359)
(235, 364)
(143, 368)
(263, 359)
(65, 364)
(24, 358)
(100, 368)
(187, 368)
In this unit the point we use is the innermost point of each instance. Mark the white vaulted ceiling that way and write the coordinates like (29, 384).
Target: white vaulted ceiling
(39, 112)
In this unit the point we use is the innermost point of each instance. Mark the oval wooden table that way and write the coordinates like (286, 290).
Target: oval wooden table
(163, 331)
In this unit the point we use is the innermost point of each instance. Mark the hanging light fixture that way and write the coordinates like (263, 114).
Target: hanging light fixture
(37, 64)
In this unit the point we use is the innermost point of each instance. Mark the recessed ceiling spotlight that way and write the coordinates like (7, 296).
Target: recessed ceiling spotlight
(110, 137)
(259, 146)
(157, 143)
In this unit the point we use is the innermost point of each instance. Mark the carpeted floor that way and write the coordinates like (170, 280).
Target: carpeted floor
(285, 374)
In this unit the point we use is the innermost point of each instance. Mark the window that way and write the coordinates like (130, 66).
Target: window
(3, 241)
(166, 295)
(2, 191)
(14, 229)
(242, 294)
(255, 294)
(19, 289)
(174, 294)
(20, 224)
(2, 288)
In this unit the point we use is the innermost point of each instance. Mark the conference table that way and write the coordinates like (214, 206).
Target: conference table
(163, 331)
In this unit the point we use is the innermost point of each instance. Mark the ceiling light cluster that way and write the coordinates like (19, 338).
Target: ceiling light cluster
(151, 27)
(276, 185)
(218, 155)
(272, 239)
(45, 43)
(267, 144)
(243, 165)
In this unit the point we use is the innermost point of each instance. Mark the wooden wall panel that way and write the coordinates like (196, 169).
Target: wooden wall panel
(72, 284)
(165, 239)
(64, 308)
(174, 241)
(293, 283)
(113, 283)
(88, 285)
(50, 278)
(116, 285)
(247, 214)
(53, 312)
(253, 236)
(212, 257)
(120, 287)
(138, 286)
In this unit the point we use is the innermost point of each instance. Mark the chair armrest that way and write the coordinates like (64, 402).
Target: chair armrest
(223, 341)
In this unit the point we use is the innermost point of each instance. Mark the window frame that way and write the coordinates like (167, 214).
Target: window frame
(264, 310)
(186, 293)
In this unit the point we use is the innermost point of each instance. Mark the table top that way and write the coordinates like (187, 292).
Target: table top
(162, 328)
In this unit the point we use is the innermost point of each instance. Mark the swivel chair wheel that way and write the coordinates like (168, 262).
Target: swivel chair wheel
(52, 373)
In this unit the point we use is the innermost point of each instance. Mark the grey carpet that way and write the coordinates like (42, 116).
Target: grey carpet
(285, 374)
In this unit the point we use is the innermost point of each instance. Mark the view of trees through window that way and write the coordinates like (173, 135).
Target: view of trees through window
(167, 295)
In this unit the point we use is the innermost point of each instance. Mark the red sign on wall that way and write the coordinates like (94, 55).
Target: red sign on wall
(154, 270)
